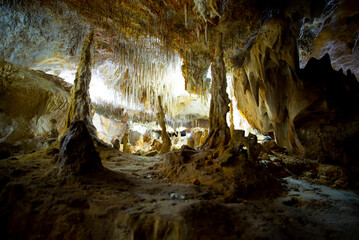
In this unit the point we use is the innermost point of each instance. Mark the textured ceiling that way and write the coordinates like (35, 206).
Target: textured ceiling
(138, 40)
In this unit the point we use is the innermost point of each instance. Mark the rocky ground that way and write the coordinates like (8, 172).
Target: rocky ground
(130, 201)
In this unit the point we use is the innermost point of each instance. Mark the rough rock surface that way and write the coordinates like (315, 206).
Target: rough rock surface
(156, 145)
(338, 36)
(33, 105)
(44, 35)
(197, 135)
(194, 70)
(299, 106)
(78, 155)
(134, 136)
(108, 129)
(232, 171)
(268, 70)
(131, 201)
(328, 128)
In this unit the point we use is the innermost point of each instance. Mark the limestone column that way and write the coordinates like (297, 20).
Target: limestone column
(219, 134)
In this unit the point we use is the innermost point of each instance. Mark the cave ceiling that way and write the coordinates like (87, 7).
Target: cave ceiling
(141, 38)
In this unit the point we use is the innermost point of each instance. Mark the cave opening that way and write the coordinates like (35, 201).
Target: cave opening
(168, 119)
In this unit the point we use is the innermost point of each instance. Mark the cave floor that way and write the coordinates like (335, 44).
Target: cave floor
(130, 201)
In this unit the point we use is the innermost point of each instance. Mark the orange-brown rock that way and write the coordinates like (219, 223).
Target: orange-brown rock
(231, 172)
(197, 137)
(156, 145)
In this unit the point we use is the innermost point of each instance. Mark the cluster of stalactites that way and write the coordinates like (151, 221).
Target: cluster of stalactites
(207, 9)
(145, 71)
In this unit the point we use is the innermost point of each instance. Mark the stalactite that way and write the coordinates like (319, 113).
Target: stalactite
(205, 34)
(185, 15)
(145, 68)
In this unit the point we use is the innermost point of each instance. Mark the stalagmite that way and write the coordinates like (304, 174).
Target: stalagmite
(219, 133)
(78, 154)
(166, 141)
(126, 147)
(80, 104)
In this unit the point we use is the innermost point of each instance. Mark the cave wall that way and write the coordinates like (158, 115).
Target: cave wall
(312, 111)
(328, 129)
(267, 80)
(44, 35)
(335, 31)
(33, 108)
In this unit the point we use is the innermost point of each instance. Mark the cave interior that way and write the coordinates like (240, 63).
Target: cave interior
(179, 119)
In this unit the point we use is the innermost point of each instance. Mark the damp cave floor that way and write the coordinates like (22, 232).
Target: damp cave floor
(130, 201)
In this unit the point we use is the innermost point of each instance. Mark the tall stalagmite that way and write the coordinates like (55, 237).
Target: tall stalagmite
(78, 154)
(80, 105)
(166, 141)
(219, 133)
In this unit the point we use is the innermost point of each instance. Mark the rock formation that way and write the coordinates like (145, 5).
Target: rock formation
(30, 101)
(230, 188)
(299, 106)
(219, 134)
(80, 104)
(194, 69)
(166, 141)
(126, 145)
(232, 171)
(78, 155)
(328, 129)
(262, 83)
(196, 134)
(108, 129)
(259, 46)
(334, 32)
